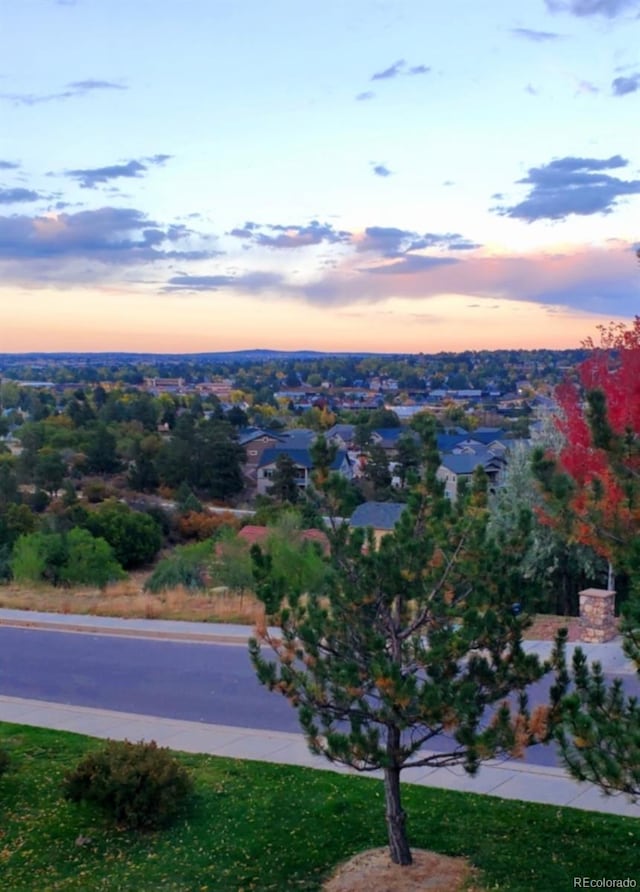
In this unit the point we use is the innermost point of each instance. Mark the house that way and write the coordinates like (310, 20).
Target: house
(342, 435)
(255, 440)
(301, 457)
(388, 437)
(382, 517)
(456, 467)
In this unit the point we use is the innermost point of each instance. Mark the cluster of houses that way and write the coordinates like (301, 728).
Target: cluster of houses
(461, 452)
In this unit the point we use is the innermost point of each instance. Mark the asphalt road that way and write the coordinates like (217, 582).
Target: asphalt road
(190, 681)
(193, 682)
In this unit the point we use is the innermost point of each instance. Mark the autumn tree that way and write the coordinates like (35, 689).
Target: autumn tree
(403, 644)
(592, 482)
(595, 478)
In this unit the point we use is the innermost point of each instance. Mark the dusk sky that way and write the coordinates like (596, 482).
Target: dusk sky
(402, 176)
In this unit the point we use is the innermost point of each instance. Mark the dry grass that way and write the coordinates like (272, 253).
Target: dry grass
(128, 600)
(373, 871)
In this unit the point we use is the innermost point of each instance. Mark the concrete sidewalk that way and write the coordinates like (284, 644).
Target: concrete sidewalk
(508, 779)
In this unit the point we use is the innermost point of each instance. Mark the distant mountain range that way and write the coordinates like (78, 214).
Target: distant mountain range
(256, 355)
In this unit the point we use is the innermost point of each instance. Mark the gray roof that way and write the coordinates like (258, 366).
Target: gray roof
(247, 434)
(298, 438)
(301, 457)
(344, 431)
(379, 515)
(466, 463)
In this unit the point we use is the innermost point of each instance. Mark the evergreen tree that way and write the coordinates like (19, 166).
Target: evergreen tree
(398, 645)
(284, 487)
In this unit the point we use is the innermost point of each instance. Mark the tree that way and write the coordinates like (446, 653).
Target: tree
(64, 559)
(135, 538)
(49, 470)
(409, 454)
(553, 567)
(216, 460)
(186, 566)
(284, 486)
(599, 462)
(397, 645)
(101, 456)
(377, 470)
(323, 455)
(595, 478)
(233, 565)
(287, 562)
(90, 560)
(143, 474)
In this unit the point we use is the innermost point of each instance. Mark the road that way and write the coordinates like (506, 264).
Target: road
(194, 682)
(212, 683)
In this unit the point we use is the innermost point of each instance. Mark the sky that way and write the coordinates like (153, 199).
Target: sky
(392, 176)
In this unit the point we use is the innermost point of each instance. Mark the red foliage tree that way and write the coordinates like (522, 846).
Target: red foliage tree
(600, 422)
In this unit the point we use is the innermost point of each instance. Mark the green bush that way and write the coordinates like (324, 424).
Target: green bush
(188, 566)
(4, 761)
(138, 785)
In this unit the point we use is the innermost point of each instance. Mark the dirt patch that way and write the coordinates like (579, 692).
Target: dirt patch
(373, 871)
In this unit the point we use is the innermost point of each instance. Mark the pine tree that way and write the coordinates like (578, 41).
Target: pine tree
(404, 643)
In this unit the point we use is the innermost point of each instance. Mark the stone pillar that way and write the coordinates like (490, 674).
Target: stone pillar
(597, 615)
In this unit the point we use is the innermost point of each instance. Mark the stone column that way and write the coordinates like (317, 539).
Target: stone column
(597, 615)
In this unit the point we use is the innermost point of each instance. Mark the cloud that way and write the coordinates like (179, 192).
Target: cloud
(399, 67)
(410, 263)
(9, 165)
(17, 195)
(608, 8)
(535, 36)
(591, 280)
(291, 236)
(77, 247)
(390, 242)
(89, 178)
(252, 282)
(72, 89)
(363, 97)
(387, 73)
(94, 84)
(381, 170)
(623, 85)
(571, 186)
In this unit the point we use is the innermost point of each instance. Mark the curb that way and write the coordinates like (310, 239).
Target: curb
(88, 629)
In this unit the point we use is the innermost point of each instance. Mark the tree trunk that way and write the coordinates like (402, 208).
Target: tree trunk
(395, 815)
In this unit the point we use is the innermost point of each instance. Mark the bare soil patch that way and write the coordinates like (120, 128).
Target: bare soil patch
(373, 871)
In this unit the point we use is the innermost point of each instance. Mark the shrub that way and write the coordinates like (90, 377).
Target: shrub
(4, 761)
(200, 525)
(188, 566)
(138, 785)
(96, 491)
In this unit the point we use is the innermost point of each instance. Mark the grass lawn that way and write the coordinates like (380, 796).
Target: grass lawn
(257, 826)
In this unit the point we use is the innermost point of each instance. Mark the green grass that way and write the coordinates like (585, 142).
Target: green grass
(257, 826)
